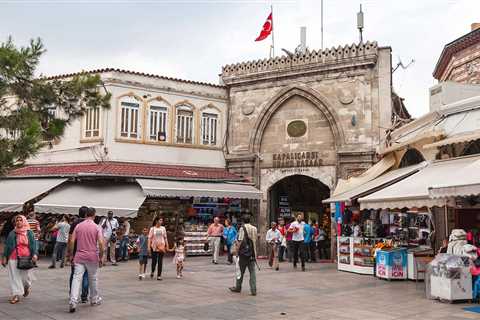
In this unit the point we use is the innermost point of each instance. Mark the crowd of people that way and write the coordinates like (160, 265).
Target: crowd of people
(88, 246)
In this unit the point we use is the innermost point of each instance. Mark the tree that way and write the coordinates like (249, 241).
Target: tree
(35, 110)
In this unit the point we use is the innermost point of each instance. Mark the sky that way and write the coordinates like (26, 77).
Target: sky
(194, 39)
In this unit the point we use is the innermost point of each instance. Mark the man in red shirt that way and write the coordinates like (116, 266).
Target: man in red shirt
(215, 234)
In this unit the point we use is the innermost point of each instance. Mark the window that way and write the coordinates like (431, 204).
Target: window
(209, 128)
(157, 122)
(92, 123)
(129, 119)
(184, 126)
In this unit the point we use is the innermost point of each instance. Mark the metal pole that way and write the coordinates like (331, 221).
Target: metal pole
(446, 219)
(321, 19)
(273, 32)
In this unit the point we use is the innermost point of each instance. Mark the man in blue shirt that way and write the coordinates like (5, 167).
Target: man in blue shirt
(308, 233)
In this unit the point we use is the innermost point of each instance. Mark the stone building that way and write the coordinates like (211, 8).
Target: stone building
(297, 124)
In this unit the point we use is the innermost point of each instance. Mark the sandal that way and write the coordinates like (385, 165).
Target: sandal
(27, 290)
(14, 300)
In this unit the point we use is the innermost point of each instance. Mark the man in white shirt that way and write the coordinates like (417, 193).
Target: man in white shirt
(274, 239)
(109, 227)
(297, 229)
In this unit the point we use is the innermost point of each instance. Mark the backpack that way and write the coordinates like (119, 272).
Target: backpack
(246, 249)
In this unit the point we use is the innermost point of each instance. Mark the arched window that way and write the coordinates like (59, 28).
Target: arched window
(158, 120)
(411, 157)
(130, 117)
(209, 127)
(184, 126)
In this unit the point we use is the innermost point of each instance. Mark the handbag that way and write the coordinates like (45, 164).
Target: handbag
(23, 263)
(206, 246)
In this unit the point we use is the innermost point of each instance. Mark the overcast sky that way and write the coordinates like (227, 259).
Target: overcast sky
(193, 39)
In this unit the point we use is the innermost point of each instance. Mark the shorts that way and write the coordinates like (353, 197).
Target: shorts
(142, 259)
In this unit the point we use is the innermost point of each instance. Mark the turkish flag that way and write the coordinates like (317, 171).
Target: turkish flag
(266, 29)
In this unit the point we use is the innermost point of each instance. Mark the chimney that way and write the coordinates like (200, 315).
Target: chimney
(475, 26)
(303, 39)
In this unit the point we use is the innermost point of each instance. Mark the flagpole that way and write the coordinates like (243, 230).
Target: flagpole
(273, 32)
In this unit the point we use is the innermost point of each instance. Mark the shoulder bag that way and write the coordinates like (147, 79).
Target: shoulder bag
(23, 263)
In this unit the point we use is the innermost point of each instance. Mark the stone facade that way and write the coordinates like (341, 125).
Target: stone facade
(321, 114)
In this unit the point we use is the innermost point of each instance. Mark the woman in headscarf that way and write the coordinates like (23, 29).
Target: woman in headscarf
(20, 243)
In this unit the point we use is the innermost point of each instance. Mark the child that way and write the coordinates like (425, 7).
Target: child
(142, 243)
(179, 257)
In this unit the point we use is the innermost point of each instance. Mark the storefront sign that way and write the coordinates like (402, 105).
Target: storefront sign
(284, 207)
(296, 159)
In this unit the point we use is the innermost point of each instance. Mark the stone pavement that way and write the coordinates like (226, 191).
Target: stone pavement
(319, 293)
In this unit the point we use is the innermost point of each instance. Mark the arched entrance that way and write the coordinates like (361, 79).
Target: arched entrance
(298, 194)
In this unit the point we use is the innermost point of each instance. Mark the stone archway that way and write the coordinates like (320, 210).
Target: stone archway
(316, 98)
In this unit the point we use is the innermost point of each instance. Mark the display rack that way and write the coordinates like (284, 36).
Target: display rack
(355, 254)
(195, 239)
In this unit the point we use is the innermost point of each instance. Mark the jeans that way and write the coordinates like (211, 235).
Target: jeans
(322, 249)
(215, 244)
(312, 254)
(84, 283)
(157, 257)
(80, 270)
(245, 263)
(229, 252)
(290, 250)
(281, 253)
(298, 250)
(124, 248)
(59, 253)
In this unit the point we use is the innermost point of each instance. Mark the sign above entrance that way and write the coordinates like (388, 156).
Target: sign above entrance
(296, 159)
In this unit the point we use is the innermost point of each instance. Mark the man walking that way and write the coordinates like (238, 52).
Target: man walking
(215, 234)
(61, 245)
(109, 226)
(82, 213)
(273, 241)
(296, 229)
(125, 240)
(88, 237)
(307, 234)
(247, 253)
(283, 245)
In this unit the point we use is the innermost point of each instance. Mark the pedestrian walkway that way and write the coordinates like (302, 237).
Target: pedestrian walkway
(320, 293)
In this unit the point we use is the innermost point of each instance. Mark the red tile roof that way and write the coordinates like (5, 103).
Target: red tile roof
(125, 169)
(148, 75)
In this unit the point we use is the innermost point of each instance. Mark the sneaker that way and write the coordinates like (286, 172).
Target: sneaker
(97, 302)
(140, 277)
(51, 267)
(233, 289)
(179, 276)
(84, 300)
(159, 278)
(71, 308)
(151, 275)
(215, 262)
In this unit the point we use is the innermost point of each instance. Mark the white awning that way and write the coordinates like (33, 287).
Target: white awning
(15, 192)
(373, 172)
(123, 199)
(167, 188)
(466, 184)
(414, 190)
(459, 138)
(384, 180)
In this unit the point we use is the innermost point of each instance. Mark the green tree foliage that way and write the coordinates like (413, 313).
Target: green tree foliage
(34, 110)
